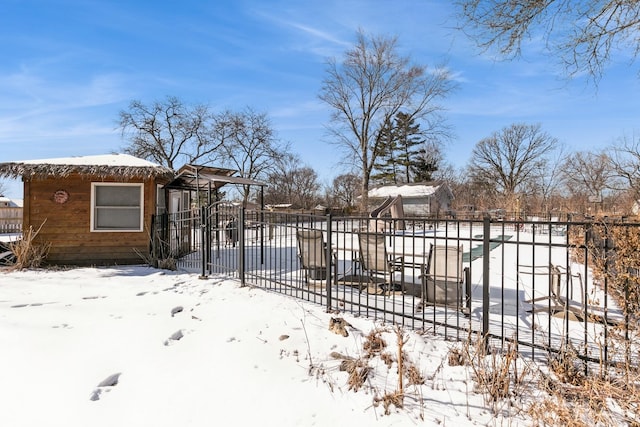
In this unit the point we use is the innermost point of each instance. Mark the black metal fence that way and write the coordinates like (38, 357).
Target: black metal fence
(536, 283)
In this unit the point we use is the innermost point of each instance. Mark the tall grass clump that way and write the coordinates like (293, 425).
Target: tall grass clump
(28, 252)
(501, 376)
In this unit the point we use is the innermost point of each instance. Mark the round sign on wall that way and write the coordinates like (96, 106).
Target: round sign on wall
(60, 196)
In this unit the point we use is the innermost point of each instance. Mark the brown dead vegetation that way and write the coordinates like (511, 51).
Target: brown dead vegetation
(28, 252)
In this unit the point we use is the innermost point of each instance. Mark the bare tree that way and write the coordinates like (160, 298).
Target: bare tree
(587, 173)
(247, 144)
(470, 195)
(166, 130)
(582, 34)
(280, 180)
(3, 188)
(509, 160)
(586, 176)
(306, 187)
(624, 156)
(288, 182)
(445, 172)
(345, 190)
(368, 88)
(547, 183)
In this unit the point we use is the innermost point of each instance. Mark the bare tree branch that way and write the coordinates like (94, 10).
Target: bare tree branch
(247, 144)
(509, 160)
(167, 130)
(583, 35)
(368, 88)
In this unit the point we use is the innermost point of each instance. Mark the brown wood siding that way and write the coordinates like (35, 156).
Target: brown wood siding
(67, 226)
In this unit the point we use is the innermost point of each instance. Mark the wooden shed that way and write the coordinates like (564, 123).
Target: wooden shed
(91, 210)
(418, 199)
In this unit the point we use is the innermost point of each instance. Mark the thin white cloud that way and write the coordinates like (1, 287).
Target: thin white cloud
(306, 37)
(319, 34)
(43, 93)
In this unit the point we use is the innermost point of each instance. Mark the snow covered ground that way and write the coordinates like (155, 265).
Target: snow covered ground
(136, 346)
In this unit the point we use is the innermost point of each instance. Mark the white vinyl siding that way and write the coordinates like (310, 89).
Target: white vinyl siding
(117, 207)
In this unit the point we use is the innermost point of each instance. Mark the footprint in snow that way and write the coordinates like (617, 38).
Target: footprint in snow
(105, 385)
(63, 326)
(20, 306)
(176, 336)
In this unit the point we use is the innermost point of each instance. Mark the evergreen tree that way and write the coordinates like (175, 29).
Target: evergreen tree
(408, 137)
(385, 170)
(425, 163)
(398, 157)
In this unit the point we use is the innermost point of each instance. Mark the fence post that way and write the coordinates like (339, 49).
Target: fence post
(208, 237)
(241, 255)
(153, 241)
(627, 342)
(329, 258)
(203, 247)
(486, 241)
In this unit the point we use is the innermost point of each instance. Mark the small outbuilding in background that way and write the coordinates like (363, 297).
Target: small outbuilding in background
(418, 199)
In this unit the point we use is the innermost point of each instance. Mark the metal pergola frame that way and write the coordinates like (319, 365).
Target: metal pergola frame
(209, 179)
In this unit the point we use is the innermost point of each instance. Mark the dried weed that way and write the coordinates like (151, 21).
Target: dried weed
(28, 252)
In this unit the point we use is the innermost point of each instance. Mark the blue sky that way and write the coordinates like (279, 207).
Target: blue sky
(68, 67)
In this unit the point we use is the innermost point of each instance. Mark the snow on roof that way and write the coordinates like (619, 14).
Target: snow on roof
(279, 206)
(12, 203)
(122, 165)
(96, 160)
(406, 190)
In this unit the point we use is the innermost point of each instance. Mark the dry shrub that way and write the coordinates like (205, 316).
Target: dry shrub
(614, 257)
(29, 253)
(596, 401)
(554, 411)
(387, 358)
(160, 256)
(624, 271)
(574, 398)
(357, 369)
(414, 376)
(405, 369)
(568, 368)
(374, 343)
(497, 374)
(168, 264)
(162, 263)
(390, 399)
(358, 373)
(611, 250)
(457, 357)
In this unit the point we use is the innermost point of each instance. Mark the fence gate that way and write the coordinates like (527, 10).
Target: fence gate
(221, 234)
(205, 240)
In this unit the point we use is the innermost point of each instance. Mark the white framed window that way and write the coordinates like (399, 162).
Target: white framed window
(117, 206)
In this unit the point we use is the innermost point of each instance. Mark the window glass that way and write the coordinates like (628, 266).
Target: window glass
(119, 195)
(117, 207)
